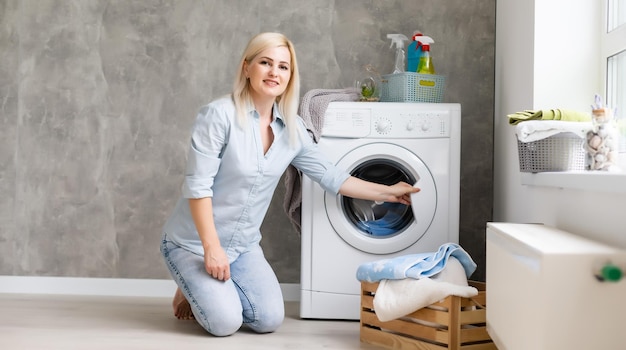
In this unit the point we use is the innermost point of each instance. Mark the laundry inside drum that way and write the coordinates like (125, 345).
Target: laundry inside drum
(380, 220)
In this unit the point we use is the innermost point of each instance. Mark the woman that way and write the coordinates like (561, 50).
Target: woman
(240, 146)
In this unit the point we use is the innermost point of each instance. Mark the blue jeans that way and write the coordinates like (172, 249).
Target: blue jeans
(252, 295)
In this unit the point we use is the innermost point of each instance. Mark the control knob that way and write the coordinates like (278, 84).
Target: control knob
(383, 126)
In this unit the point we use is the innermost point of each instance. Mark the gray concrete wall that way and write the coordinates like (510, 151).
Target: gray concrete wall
(97, 98)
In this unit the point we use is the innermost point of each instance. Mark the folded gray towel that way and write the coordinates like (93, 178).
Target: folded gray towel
(312, 110)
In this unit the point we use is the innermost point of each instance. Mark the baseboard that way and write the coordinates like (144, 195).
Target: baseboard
(106, 286)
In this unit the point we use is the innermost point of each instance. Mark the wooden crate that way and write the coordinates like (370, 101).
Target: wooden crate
(454, 323)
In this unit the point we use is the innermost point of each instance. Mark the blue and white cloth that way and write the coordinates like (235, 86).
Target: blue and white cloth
(390, 224)
(415, 266)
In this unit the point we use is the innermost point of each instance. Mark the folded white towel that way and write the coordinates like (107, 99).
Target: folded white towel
(534, 130)
(397, 298)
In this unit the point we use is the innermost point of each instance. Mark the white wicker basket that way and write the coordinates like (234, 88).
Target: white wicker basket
(561, 152)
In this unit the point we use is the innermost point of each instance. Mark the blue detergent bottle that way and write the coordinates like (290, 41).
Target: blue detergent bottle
(414, 52)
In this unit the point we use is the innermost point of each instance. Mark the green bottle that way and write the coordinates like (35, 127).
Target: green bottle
(425, 65)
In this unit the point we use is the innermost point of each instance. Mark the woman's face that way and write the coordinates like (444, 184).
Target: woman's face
(269, 72)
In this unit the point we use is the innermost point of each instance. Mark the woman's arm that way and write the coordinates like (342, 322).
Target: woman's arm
(215, 258)
(356, 188)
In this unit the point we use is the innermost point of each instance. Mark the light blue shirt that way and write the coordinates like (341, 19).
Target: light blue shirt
(226, 162)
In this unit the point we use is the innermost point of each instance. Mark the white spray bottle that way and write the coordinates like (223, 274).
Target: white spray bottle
(398, 40)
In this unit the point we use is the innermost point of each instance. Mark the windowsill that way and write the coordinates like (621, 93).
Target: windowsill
(579, 180)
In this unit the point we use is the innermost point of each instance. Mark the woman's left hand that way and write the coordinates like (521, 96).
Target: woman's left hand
(401, 193)
(398, 193)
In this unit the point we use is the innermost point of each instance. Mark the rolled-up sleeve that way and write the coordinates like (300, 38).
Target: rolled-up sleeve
(312, 162)
(203, 160)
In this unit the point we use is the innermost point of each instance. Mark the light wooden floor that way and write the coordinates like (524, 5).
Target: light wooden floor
(55, 322)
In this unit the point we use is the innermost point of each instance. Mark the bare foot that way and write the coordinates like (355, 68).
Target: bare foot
(182, 309)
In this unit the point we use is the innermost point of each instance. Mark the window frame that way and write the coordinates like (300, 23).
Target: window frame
(611, 43)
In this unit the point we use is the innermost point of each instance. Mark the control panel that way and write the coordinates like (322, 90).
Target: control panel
(386, 120)
(347, 122)
(411, 124)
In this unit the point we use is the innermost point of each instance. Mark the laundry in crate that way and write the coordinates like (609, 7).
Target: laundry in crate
(410, 282)
(549, 114)
(415, 266)
(550, 139)
(535, 130)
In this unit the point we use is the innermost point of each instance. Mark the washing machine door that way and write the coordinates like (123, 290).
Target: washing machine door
(383, 228)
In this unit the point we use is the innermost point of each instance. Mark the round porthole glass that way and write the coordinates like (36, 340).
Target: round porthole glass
(379, 220)
(383, 228)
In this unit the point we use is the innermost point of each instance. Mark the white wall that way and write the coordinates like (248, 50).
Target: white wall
(546, 59)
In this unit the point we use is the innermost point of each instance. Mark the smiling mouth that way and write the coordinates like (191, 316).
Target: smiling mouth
(271, 82)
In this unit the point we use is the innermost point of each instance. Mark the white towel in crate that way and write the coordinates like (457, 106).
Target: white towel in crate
(397, 298)
(534, 130)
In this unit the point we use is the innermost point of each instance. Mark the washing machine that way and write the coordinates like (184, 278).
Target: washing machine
(384, 142)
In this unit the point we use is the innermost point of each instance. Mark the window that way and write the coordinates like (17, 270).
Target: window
(614, 53)
(609, 21)
(616, 14)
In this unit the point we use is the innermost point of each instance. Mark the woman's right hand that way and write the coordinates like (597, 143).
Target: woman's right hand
(216, 263)
(215, 258)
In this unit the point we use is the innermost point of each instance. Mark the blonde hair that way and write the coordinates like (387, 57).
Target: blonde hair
(288, 101)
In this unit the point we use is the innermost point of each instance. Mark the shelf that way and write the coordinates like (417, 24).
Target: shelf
(580, 180)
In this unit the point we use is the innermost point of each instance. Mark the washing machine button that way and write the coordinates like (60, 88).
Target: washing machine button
(383, 126)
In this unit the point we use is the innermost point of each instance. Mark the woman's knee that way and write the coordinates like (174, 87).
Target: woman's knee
(222, 326)
(269, 321)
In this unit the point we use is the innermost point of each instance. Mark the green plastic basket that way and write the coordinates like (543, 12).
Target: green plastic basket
(412, 87)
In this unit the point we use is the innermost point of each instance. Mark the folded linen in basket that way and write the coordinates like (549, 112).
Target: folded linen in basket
(534, 130)
(415, 265)
(397, 298)
(549, 114)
